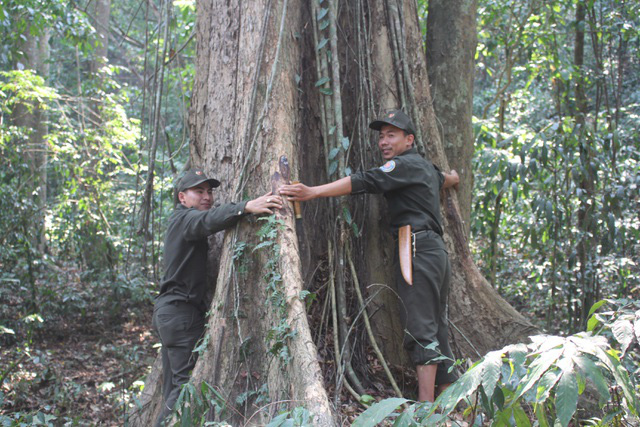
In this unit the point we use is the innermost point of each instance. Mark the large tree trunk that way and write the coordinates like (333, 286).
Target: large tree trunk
(451, 47)
(256, 99)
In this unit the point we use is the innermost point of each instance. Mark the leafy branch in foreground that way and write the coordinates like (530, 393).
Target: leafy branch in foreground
(546, 376)
(542, 380)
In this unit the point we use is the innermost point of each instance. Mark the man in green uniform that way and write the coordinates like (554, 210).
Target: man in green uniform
(179, 312)
(411, 186)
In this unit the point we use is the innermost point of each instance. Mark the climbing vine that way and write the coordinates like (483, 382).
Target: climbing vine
(279, 334)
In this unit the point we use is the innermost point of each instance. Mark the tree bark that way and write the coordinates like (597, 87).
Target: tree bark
(36, 50)
(256, 99)
(101, 17)
(451, 46)
(586, 210)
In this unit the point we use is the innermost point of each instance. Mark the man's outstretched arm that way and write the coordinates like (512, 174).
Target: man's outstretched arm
(301, 192)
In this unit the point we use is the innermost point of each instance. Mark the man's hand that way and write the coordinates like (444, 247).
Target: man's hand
(297, 192)
(302, 193)
(263, 204)
(451, 179)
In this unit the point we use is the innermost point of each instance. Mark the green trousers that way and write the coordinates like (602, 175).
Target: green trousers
(180, 326)
(424, 305)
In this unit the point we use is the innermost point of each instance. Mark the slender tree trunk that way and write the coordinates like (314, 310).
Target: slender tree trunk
(451, 48)
(36, 49)
(257, 97)
(101, 17)
(585, 212)
(493, 235)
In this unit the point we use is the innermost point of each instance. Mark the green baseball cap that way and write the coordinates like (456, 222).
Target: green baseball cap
(395, 118)
(194, 177)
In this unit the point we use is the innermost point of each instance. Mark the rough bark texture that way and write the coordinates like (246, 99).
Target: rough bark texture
(451, 46)
(259, 113)
(255, 99)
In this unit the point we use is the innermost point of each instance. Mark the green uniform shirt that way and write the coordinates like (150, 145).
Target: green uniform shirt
(411, 186)
(185, 250)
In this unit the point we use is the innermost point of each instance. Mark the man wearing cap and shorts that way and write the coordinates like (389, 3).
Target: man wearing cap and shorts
(411, 186)
(179, 312)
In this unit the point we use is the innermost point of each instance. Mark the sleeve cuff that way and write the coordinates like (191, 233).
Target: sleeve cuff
(357, 185)
(240, 209)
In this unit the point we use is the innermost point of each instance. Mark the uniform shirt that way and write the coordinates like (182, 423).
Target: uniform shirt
(411, 186)
(185, 250)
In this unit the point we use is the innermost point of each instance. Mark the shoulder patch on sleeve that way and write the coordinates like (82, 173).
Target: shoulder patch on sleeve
(389, 166)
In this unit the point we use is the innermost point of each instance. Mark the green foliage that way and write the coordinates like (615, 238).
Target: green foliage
(548, 186)
(193, 405)
(19, 419)
(86, 201)
(545, 379)
(621, 325)
(280, 332)
(90, 266)
(378, 412)
(297, 417)
(19, 18)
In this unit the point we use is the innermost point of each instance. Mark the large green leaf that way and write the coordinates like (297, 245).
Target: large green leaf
(566, 396)
(537, 369)
(278, 420)
(378, 412)
(503, 418)
(590, 344)
(541, 415)
(517, 353)
(592, 323)
(623, 332)
(545, 343)
(594, 373)
(522, 420)
(622, 379)
(546, 383)
(597, 305)
(491, 371)
(406, 418)
(611, 362)
(463, 387)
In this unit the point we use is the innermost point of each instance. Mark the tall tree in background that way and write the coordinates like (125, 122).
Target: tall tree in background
(451, 46)
(35, 56)
(277, 80)
(101, 15)
(586, 184)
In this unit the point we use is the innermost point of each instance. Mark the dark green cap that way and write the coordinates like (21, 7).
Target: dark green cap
(395, 118)
(194, 177)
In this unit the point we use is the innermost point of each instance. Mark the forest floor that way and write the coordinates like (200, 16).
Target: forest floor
(87, 374)
(81, 373)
